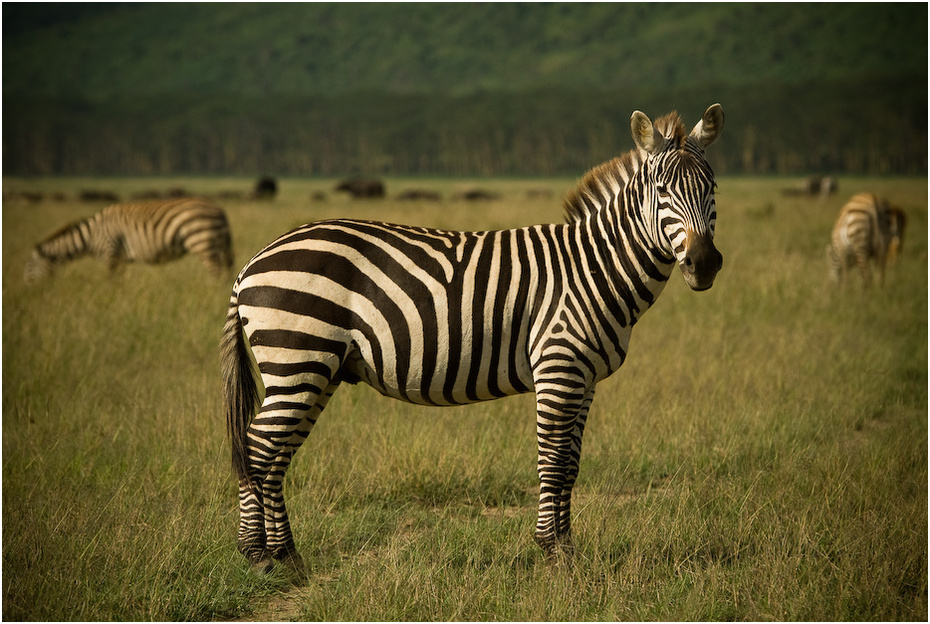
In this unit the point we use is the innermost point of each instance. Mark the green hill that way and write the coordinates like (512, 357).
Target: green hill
(142, 88)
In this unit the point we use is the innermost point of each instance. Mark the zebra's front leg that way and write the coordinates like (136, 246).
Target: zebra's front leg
(561, 413)
(563, 527)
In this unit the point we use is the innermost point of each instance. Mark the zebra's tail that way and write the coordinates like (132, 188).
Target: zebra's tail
(241, 389)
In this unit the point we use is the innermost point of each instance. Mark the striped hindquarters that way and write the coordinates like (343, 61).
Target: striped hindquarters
(861, 236)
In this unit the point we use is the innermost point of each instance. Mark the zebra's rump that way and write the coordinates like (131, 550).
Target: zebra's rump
(859, 228)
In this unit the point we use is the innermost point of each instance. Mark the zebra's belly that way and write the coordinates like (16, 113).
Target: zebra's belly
(443, 383)
(154, 255)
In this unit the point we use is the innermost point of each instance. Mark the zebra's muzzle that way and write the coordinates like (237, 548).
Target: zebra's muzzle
(700, 263)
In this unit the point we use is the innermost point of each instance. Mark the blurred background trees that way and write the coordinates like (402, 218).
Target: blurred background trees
(456, 89)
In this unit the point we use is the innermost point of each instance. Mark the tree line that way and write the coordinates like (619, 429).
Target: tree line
(872, 127)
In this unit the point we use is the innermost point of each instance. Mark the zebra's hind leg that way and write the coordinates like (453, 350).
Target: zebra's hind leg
(278, 430)
(219, 262)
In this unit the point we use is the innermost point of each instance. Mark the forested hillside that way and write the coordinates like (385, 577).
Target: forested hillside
(297, 89)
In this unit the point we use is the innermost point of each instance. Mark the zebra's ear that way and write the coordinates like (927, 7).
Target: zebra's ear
(708, 129)
(645, 135)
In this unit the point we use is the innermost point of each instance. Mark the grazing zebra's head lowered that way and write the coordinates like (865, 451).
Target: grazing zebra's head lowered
(437, 317)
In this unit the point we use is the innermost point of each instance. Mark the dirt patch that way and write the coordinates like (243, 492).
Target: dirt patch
(284, 606)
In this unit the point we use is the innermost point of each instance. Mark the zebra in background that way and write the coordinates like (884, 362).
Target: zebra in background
(151, 232)
(445, 318)
(867, 232)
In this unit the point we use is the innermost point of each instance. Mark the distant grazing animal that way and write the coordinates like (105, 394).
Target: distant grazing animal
(436, 317)
(815, 186)
(177, 192)
(477, 195)
(230, 195)
(419, 194)
(868, 232)
(265, 188)
(99, 196)
(362, 188)
(827, 186)
(151, 232)
(32, 197)
(539, 193)
(145, 195)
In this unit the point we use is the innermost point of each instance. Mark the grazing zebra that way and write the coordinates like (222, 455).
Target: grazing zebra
(444, 318)
(150, 232)
(868, 232)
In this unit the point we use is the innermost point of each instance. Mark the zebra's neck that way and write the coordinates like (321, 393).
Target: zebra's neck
(70, 242)
(637, 271)
(617, 213)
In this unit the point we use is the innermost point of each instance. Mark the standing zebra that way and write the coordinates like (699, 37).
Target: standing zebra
(445, 318)
(868, 231)
(152, 232)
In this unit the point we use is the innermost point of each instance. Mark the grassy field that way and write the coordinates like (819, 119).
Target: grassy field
(762, 455)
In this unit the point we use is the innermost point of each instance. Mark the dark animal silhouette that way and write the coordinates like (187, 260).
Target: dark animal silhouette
(417, 194)
(99, 196)
(362, 187)
(265, 188)
(477, 195)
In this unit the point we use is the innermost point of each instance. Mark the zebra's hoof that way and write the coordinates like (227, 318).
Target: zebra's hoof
(294, 563)
(558, 552)
(291, 561)
(262, 566)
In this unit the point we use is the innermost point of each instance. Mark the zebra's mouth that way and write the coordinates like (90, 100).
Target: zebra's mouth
(701, 288)
(700, 263)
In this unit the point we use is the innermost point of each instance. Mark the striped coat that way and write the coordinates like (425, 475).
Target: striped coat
(444, 318)
(867, 235)
(149, 232)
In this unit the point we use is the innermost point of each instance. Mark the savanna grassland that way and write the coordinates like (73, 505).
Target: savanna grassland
(761, 455)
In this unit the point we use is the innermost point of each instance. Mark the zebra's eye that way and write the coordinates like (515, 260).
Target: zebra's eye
(661, 189)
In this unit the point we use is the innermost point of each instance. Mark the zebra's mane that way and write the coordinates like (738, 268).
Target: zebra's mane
(606, 180)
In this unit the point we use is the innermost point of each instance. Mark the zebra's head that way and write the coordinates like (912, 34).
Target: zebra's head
(38, 268)
(680, 188)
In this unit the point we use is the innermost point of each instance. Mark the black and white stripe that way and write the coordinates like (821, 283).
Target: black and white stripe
(150, 232)
(444, 318)
(867, 234)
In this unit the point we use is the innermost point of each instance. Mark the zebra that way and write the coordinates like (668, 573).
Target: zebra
(151, 232)
(867, 232)
(438, 317)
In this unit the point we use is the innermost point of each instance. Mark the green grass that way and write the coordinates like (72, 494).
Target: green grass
(762, 454)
